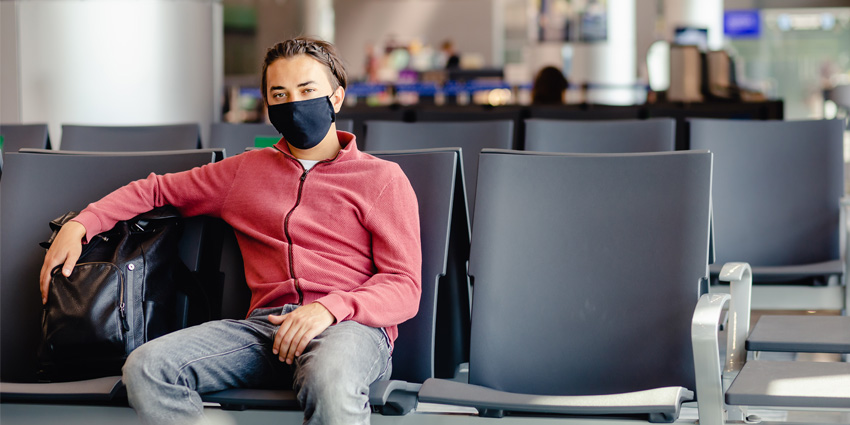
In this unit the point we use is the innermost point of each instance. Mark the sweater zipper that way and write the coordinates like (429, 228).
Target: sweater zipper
(289, 238)
(289, 214)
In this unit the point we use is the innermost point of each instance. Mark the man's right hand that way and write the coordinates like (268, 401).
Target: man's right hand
(65, 249)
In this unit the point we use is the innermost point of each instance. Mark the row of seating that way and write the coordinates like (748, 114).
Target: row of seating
(618, 269)
(83, 137)
(767, 172)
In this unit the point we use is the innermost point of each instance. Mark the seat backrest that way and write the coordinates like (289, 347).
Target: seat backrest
(359, 115)
(20, 136)
(130, 138)
(471, 137)
(615, 136)
(476, 113)
(776, 189)
(586, 270)
(36, 188)
(345, 125)
(235, 138)
(432, 174)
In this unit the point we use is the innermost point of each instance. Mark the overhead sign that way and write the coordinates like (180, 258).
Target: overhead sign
(742, 23)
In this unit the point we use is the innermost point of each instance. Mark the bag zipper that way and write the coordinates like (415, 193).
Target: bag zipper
(122, 306)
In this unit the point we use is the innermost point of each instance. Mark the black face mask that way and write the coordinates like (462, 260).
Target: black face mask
(304, 123)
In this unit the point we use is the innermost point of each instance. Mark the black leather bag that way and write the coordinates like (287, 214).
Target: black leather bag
(122, 293)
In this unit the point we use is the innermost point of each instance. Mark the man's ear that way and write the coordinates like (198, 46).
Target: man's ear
(337, 98)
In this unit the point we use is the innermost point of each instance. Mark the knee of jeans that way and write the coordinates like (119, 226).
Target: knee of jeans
(142, 365)
(330, 384)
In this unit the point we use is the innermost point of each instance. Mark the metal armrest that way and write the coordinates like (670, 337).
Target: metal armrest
(393, 398)
(709, 377)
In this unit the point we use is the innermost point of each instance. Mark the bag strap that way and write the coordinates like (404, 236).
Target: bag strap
(56, 224)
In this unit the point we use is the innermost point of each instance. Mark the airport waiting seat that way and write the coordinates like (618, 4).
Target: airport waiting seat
(40, 185)
(470, 136)
(473, 113)
(20, 136)
(726, 389)
(777, 206)
(235, 138)
(359, 115)
(98, 138)
(584, 293)
(433, 174)
(614, 136)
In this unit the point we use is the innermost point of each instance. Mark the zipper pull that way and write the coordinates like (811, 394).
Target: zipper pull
(304, 176)
(123, 316)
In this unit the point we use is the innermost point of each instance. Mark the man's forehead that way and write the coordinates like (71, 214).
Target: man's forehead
(304, 68)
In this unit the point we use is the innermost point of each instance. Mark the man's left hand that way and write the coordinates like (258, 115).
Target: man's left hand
(298, 328)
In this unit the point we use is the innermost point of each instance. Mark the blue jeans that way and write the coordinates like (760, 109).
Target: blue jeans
(165, 376)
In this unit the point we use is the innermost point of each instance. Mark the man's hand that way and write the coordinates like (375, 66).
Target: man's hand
(66, 248)
(298, 328)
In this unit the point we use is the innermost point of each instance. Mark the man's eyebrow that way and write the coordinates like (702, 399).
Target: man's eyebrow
(304, 84)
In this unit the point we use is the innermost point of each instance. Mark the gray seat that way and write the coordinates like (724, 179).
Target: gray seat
(359, 115)
(433, 175)
(235, 138)
(571, 287)
(38, 186)
(777, 194)
(130, 138)
(615, 136)
(476, 113)
(777, 384)
(20, 136)
(470, 136)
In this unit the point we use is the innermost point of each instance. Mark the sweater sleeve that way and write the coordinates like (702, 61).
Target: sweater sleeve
(391, 295)
(201, 190)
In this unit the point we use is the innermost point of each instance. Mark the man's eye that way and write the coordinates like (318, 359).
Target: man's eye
(279, 95)
(309, 90)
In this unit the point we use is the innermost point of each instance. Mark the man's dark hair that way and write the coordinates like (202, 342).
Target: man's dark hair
(320, 50)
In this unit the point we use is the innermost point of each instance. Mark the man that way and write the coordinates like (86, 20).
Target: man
(330, 240)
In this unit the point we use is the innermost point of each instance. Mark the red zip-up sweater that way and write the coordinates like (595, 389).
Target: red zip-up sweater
(345, 234)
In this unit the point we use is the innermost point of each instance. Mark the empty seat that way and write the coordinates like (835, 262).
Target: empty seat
(20, 136)
(471, 137)
(235, 138)
(130, 138)
(615, 136)
(777, 194)
(582, 305)
(358, 116)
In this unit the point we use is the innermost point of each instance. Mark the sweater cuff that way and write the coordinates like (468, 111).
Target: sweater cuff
(90, 222)
(337, 306)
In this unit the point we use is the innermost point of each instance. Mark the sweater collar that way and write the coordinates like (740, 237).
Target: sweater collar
(346, 139)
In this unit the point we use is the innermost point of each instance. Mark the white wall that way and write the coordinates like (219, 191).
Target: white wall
(128, 62)
(9, 75)
(471, 24)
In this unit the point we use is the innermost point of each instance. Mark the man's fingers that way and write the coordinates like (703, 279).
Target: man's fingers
(70, 262)
(296, 342)
(279, 344)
